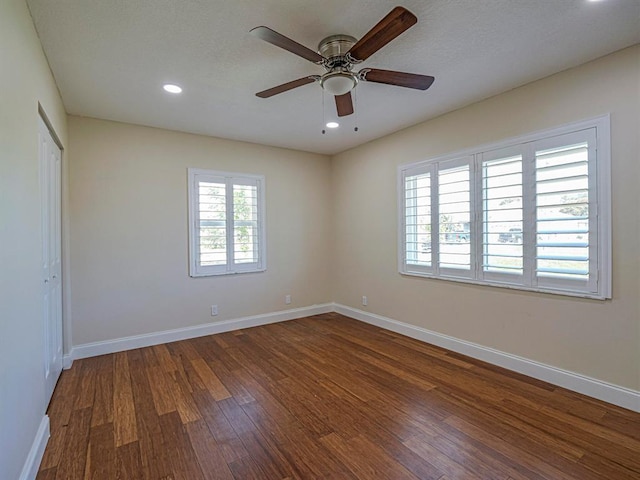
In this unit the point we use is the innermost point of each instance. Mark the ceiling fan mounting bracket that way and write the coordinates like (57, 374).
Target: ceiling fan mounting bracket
(362, 74)
(352, 60)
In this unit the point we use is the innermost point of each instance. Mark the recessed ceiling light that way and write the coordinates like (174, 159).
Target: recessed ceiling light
(333, 125)
(168, 87)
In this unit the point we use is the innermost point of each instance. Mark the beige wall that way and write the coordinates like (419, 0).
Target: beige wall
(25, 81)
(129, 234)
(594, 338)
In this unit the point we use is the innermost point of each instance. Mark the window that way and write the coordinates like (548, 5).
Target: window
(531, 213)
(226, 223)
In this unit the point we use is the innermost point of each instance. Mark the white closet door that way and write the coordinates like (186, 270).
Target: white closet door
(50, 193)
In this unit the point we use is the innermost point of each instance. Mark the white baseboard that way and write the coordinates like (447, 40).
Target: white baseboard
(592, 387)
(576, 382)
(138, 341)
(67, 361)
(31, 465)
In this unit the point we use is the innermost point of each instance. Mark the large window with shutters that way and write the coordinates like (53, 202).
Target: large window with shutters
(531, 213)
(226, 223)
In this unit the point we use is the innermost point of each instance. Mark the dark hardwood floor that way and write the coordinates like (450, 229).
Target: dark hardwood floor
(325, 397)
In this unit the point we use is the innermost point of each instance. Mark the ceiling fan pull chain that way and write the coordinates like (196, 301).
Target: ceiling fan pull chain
(355, 101)
(323, 116)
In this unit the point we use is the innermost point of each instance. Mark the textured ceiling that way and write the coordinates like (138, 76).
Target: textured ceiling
(110, 59)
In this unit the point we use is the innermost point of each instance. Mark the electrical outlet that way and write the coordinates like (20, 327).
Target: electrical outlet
(364, 300)
(214, 310)
(287, 299)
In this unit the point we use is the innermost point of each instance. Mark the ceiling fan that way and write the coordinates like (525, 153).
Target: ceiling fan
(339, 53)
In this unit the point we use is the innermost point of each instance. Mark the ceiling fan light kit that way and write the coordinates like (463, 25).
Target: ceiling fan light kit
(338, 53)
(338, 83)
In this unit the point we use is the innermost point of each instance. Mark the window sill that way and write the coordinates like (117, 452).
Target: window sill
(223, 274)
(567, 293)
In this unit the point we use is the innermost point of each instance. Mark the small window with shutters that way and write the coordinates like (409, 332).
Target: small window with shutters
(226, 223)
(531, 213)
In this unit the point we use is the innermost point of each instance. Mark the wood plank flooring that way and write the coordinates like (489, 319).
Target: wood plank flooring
(325, 397)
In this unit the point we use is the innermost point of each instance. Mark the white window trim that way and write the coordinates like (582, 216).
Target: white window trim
(195, 269)
(602, 204)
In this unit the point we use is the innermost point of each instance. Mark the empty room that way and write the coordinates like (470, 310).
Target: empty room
(284, 239)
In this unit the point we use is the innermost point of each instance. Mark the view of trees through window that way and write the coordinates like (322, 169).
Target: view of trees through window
(245, 223)
(213, 223)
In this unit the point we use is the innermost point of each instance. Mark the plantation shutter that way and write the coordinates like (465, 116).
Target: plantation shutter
(502, 215)
(246, 224)
(565, 212)
(417, 220)
(211, 223)
(454, 195)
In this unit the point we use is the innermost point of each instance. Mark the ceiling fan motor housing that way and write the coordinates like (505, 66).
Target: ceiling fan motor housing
(335, 47)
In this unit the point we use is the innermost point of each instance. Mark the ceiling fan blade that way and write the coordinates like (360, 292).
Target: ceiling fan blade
(400, 79)
(344, 104)
(279, 40)
(286, 87)
(396, 22)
